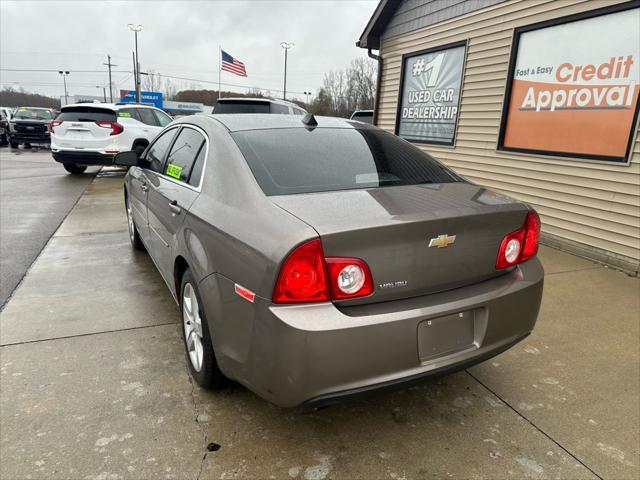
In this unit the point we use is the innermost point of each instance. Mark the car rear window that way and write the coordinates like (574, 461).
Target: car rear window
(296, 160)
(366, 117)
(242, 107)
(87, 114)
(32, 114)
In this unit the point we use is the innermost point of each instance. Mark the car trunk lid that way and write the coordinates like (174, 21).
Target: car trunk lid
(392, 229)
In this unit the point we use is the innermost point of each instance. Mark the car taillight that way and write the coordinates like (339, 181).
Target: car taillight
(349, 277)
(115, 127)
(532, 237)
(307, 276)
(54, 123)
(521, 245)
(303, 276)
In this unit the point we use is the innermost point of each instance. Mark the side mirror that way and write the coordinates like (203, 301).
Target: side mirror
(126, 159)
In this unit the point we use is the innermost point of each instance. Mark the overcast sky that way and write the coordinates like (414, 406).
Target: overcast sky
(180, 38)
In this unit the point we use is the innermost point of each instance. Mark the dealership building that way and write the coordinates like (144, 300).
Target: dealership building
(537, 99)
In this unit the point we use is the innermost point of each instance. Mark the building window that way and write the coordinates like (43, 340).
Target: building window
(573, 86)
(429, 101)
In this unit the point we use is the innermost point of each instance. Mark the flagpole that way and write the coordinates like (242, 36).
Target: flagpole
(219, 70)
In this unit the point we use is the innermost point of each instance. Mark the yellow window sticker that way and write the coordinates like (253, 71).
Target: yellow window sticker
(124, 114)
(174, 170)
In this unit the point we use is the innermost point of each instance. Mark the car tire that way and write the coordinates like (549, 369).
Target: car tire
(27, 146)
(14, 145)
(134, 236)
(74, 169)
(197, 340)
(3, 139)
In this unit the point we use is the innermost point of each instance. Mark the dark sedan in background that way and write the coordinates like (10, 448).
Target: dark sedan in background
(315, 259)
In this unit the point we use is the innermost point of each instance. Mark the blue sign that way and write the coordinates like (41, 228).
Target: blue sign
(150, 98)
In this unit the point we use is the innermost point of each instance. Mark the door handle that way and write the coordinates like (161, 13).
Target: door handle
(174, 207)
(144, 187)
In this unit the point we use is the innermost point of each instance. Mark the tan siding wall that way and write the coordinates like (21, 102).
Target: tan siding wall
(594, 203)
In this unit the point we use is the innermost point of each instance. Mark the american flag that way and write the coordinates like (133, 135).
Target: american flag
(233, 65)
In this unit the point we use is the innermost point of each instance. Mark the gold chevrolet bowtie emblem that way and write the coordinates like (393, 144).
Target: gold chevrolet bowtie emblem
(442, 241)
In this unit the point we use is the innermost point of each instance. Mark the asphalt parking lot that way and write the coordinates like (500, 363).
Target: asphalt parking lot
(94, 383)
(36, 193)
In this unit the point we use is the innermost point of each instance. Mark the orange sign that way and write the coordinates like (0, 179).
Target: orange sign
(573, 93)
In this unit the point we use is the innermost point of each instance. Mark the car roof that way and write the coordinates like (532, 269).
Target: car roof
(257, 99)
(110, 106)
(235, 122)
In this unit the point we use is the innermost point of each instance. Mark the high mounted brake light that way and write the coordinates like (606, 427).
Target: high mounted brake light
(521, 245)
(307, 276)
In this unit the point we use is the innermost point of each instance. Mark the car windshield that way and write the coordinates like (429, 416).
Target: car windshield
(87, 114)
(32, 114)
(297, 160)
(242, 107)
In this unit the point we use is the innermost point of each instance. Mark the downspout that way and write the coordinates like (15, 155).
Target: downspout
(376, 101)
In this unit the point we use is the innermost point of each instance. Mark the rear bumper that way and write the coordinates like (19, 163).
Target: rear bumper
(82, 158)
(319, 353)
(21, 137)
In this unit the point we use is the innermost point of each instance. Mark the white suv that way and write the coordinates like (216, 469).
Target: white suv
(92, 133)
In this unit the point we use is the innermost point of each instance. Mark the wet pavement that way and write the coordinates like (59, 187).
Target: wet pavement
(94, 384)
(36, 194)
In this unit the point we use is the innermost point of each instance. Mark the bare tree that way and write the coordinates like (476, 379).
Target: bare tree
(151, 81)
(344, 91)
(170, 89)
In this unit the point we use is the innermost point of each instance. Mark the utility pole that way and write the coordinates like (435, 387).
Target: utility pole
(135, 28)
(109, 64)
(64, 79)
(286, 46)
(135, 77)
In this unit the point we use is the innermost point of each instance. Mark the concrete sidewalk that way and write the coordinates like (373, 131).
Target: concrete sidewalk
(94, 384)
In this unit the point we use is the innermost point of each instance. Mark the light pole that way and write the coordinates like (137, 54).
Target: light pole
(135, 28)
(307, 94)
(286, 46)
(104, 92)
(64, 79)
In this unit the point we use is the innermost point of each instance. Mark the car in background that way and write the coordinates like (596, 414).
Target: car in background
(5, 117)
(30, 125)
(257, 105)
(92, 133)
(314, 258)
(365, 116)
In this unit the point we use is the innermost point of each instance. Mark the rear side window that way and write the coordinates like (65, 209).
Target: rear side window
(196, 171)
(282, 109)
(158, 151)
(147, 116)
(183, 154)
(298, 111)
(163, 118)
(242, 107)
(297, 160)
(86, 114)
(129, 113)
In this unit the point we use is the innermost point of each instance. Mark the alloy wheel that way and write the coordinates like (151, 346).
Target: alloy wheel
(192, 323)
(130, 223)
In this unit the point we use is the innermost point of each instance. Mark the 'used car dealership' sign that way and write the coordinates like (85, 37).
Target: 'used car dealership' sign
(574, 88)
(430, 95)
